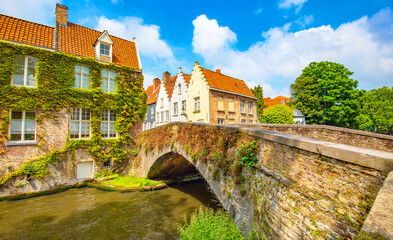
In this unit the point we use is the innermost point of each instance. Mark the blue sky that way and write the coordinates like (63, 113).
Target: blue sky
(265, 43)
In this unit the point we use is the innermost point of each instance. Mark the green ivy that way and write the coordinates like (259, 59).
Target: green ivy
(54, 92)
(248, 154)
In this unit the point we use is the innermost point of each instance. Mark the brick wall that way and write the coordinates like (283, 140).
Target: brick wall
(333, 134)
(237, 116)
(54, 132)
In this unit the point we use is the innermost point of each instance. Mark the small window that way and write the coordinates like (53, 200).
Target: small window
(80, 123)
(249, 107)
(158, 117)
(221, 121)
(231, 105)
(283, 102)
(220, 104)
(82, 77)
(22, 127)
(175, 108)
(108, 124)
(162, 102)
(162, 117)
(242, 110)
(24, 74)
(197, 104)
(108, 164)
(183, 106)
(243, 120)
(152, 113)
(249, 121)
(104, 49)
(167, 116)
(179, 88)
(108, 84)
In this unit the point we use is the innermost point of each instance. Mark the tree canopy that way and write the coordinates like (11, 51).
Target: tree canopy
(279, 114)
(377, 110)
(258, 92)
(326, 94)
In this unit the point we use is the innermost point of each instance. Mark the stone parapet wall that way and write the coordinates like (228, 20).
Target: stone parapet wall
(333, 134)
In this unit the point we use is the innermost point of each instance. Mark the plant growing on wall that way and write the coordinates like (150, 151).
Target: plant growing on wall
(248, 154)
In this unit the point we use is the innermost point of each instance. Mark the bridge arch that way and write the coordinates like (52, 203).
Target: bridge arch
(171, 159)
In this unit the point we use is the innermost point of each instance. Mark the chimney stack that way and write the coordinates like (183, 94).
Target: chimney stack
(179, 69)
(166, 77)
(156, 83)
(61, 14)
(218, 71)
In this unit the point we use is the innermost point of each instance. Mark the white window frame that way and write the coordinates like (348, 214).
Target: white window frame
(23, 127)
(249, 107)
(162, 116)
(183, 106)
(175, 108)
(80, 123)
(179, 88)
(152, 113)
(25, 72)
(107, 79)
(283, 102)
(167, 116)
(197, 102)
(109, 121)
(158, 117)
(220, 121)
(81, 73)
(162, 103)
(102, 49)
(242, 108)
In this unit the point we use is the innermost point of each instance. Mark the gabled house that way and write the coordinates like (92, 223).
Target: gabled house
(62, 83)
(217, 98)
(163, 106)
(152, 95)
(268, 102)
(179, 96)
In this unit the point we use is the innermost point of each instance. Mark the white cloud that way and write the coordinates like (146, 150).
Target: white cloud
(148, 35)
(40, 11)
(292, 3)
(116, 1)
(364, 46)
(258, 11)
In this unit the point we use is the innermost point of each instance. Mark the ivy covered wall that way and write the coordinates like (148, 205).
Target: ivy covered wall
(54, 94)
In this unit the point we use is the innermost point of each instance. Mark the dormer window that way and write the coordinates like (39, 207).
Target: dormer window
(105, 49)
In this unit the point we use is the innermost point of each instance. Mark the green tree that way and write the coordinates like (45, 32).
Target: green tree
(377, 111)
(279, 114)
(258, 92)
(326, 94)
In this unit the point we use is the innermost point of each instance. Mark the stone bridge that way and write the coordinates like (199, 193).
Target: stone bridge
(300, 188)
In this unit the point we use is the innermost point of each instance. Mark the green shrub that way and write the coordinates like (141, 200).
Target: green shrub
(206, 224)
(131, 181)
(279, 114)
(105, 173)
(248, 154)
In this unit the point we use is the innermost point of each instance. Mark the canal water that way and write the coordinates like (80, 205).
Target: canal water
(89, 213)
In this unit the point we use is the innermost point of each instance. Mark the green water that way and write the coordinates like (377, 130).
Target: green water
(88, 213)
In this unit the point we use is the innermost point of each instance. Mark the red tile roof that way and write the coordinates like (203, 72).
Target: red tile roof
(187, 78)
(152, 95)
(226, 83)
(268, 102)
(79, 40)
(19, 30)
(73, 39)
(169, 89)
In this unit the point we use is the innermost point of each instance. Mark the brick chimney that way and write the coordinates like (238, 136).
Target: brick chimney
(61, 14)
(218, 71)
(156, 83)
(166, 77)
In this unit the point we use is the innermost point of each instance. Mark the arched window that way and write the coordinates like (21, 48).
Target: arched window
(179, 88)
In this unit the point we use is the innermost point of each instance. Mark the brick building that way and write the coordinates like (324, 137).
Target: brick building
(92, 70)
(217, 98)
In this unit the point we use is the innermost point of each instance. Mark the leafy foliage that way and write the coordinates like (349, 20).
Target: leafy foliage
(326, 94)
(258, 92)
(209, 225)
(377, 111)
(248, 154)
(279, 114)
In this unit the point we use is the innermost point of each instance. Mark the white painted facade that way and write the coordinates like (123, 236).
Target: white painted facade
(178, 100)
(163, 110)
